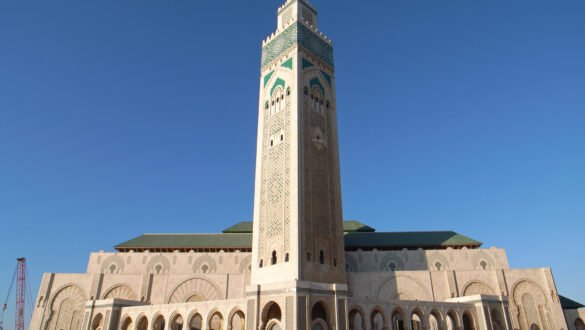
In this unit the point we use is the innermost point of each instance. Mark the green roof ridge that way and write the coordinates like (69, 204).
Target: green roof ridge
(348, 226)
(567, 303)
(240, 227)
(356, 226)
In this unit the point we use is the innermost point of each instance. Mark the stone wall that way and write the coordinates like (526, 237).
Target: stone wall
(163, 283)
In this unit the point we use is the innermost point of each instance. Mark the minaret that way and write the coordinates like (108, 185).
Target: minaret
(298, 252)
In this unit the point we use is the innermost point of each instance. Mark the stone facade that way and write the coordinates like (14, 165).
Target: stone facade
(386, 288)
(296, 272)
(575, 318)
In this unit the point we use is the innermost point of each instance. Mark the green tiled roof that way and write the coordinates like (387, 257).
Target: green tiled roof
(408, 240)
(348, 226)
(357, 236)
(356, 226)
(240, 227)
(567, 303)
(186, 241)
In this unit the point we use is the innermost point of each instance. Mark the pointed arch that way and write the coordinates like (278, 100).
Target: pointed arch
(236, 319)
(416, 319)
(398, 318)
(378, 319)
(320, 311)
(113, 264)
(176, 321)
(126, 323)
(278, 83)
(435, 319)
(195, 320)
(204, 264)
(67, 306)
(142, 322)
(357, 320)
(215, 320)
(451, 320)
(315, 80)
(120, 291)
(468, 320)
(271, 312)
(476, 287)
(402, 287)
(529, 303)
(97, 322)
(195, 289)
(158, 322)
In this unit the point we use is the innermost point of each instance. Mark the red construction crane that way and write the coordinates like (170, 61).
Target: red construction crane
(20, 276)
(20, 292)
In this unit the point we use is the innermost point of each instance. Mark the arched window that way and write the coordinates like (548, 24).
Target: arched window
(97, 322)
(433, 322)
(142, 324)
(306, 91)
(266, 105)
(272, 107)
(397, 321)
(237, 322)
(416, 321)
(273, 259)
(271, 316)
(216, 321)
(321, 257)
(177, 323)
(158, 323)
(483, 265)
(288, 91)
(196, 322)
(318, 312)
(356, 320)
(274, 312)
(450, 321)
(468, 322)
(286, 257)
(127, 324)
(438, 265)
(316, 105)
(497, 321)
(377, 321)
(261, 263)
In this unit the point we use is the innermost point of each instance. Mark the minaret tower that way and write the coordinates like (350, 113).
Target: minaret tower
(298, 265)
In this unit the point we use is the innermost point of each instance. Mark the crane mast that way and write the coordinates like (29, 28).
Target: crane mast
(20, 292)
(20, 276)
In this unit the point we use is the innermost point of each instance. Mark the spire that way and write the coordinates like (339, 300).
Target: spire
(297, 10)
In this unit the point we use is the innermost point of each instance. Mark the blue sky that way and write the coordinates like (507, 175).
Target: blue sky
(124, 117)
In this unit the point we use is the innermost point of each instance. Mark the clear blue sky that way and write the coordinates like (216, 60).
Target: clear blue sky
(124, 117)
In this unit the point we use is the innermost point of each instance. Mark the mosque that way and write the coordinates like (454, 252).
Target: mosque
(298, 265)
